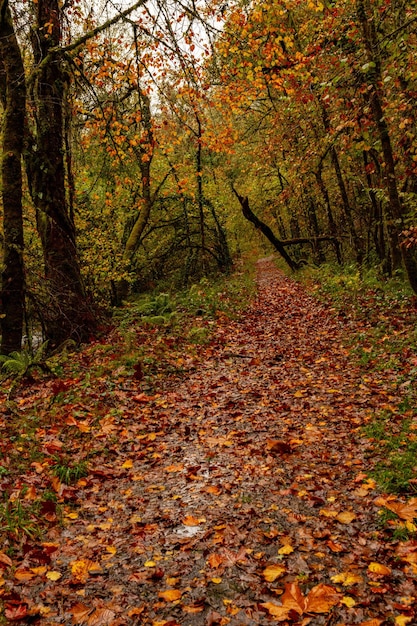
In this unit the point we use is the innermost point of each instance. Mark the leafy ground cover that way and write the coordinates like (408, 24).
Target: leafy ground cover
(214, 469)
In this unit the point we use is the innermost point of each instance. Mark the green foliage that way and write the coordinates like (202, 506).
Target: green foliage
(70, 473)
(20, 364)
(386, 343)
(17, 518)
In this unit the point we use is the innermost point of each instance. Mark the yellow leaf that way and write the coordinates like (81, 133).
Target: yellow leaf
(328, 513)
(53, 575)
(348, 601)
(347, 578)
(346, 517)
(170, 595)
(39, 571)
(272, 572)
(149, 564)
(127, 464)
(216, 580)
(402, 620)
(287, 549)
(111, 549)
(378, 568)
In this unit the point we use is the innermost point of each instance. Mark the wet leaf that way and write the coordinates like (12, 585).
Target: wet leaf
(272, 572)
(170, 595)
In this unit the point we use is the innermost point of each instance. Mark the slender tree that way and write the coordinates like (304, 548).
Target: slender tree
(13, 95)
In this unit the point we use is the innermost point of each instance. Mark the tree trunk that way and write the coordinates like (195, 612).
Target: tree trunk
(68, 313)
(265, 230)
(395, 211)
(144, 153)
(12, 294)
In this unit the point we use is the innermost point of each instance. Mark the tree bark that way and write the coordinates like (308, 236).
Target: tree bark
(265, 230)
(13, 280)
(68, 313)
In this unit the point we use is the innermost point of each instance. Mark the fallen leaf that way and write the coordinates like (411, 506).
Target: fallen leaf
(101, 617)
(287, 549)
(23, 575)
(215, 560)
(127, 464)
(175, 468)
(321, 599)
(403, 620)
(279, 612)
(5, 559)
(170, 595)
(190, 520)
(346, 517)
(293, 599)
(52, 575)
(347, 578)
(348, 601)
(272, 572)
(80, 612)
(378, 568)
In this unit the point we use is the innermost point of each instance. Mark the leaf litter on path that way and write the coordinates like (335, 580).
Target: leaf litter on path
(236, 495)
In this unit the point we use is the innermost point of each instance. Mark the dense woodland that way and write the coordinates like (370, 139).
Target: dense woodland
(140, 140)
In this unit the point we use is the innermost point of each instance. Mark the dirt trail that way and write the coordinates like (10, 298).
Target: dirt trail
(240, 489)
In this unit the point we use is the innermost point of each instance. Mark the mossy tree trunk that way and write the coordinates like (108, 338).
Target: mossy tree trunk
(69, 313)
(14, 100)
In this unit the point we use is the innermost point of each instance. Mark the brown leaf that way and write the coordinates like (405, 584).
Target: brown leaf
(15, 613)
(278, 447)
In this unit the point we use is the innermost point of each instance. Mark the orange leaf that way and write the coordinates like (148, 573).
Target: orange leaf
(80, 612)
(170, 595)
(174, 468)
(378, 568)
(321, 599)
(279, 612)
(5, 559)
(190, 520)
(23, 574)
(215, 560)
(372, 622)
(406, 511)
(101, 617)
(293, 599)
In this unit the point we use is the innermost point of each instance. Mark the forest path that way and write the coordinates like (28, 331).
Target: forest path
(240, 495)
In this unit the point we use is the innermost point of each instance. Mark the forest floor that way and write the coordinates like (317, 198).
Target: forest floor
(236, 492)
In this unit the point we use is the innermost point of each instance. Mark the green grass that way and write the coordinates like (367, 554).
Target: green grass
(381, 335)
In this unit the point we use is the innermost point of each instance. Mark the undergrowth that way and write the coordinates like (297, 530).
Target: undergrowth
(380, 318)
(51, 428)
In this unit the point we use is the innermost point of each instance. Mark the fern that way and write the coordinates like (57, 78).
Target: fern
(18, 364)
